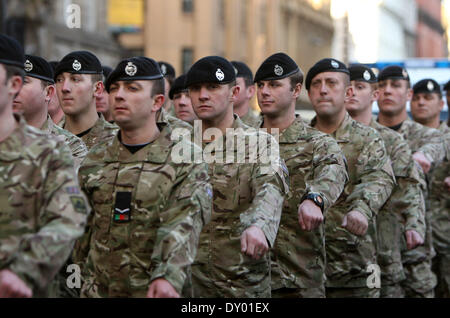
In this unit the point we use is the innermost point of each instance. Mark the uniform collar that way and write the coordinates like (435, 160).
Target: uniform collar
(156, 152)
(48, 125)
(343, 132)
(292, 134)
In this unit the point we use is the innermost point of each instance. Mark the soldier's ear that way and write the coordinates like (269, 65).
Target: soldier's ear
(50, 91)
(234, 93)
(99, 88)
(158, 102)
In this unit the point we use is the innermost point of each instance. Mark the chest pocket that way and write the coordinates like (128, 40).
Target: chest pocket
(231, 187)
(151, 199)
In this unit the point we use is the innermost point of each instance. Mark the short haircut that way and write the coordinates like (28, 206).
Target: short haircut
(296, 78)
(96, 78)
(232, 84)
(13, 71)
(45, 84)
(158, 87)
(248, 81)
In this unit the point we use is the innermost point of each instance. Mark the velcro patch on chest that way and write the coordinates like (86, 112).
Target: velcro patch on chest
(122, 208)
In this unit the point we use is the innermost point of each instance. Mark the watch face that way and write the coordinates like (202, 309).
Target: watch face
(319, 199)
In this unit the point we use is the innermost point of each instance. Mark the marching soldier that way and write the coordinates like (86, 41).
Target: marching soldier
(33, 100)
(148, 209)
(350, 231)
(182, 104)
(402, 217)
(233, 258)
(426, 106)
(42, 211)
(78, 78)
(244, 79)
(426, 146)
(317, 174)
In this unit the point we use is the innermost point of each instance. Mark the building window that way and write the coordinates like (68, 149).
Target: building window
(187, 59)
(188, 6)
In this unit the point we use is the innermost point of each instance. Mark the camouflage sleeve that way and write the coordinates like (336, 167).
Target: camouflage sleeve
(79, 151)
(61, 220)
(329, 174)
(270, 185)
(375, 179)
(181, 224)
(407, 198)
(433, 149)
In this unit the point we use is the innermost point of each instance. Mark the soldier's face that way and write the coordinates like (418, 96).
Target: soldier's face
(102, 102)
(183, 107)
(31, 99)
(245, 93)
(394, 94)
(426, 107)
(75, 92)
(8, 89)
(276, 97)
(328, 93)
(211, 101)
(131, 104)
(363, 95)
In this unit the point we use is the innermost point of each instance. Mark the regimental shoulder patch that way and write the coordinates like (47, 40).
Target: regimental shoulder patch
(78, 204)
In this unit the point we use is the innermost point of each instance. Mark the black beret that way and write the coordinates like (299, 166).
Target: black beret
(166, 69)
(427, 85)
(37, 67)
(447, 86)
(275, 67)
(53, 65)
(211, 69)
(362, 73)
(179, 85)
(134, 69)
(325, 65)
(106, 70)
(79, 62)
(11, 52)
(242, 70)
(393, 72)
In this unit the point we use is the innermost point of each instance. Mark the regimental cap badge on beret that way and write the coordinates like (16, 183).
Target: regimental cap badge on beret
(220, 75)
(334, 64)
(278, 70)
(28, 66)
(130, 69)
(164, 69)
(404, 73)
(76, 65)
(430, 86)
(367, 76)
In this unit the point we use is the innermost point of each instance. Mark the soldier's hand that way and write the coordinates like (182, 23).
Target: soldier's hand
(422, 161)
(413, 239)
(11, 286)
(254, 242)
(161, 288)
(356, 223)
(447, 183)
(309, 215)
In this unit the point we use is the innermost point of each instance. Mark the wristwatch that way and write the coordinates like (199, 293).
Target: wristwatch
(314, 197)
